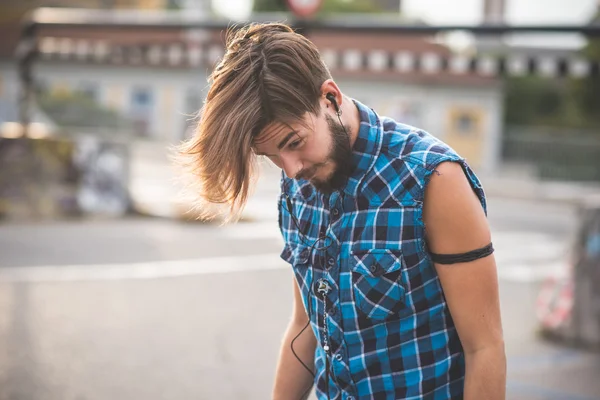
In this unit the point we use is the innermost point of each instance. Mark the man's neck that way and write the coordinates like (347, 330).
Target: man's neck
(352, 119)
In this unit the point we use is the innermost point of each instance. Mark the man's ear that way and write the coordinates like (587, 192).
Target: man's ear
(329, 86)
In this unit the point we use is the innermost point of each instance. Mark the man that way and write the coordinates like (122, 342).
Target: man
(384, 226)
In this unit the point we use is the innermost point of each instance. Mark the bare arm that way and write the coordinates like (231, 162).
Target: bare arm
(456, 223)
(292, 380)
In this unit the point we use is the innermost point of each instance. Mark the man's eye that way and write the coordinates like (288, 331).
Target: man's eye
(295, 144)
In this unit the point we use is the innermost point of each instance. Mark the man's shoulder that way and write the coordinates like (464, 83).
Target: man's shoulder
(408, 158)
(414, 145)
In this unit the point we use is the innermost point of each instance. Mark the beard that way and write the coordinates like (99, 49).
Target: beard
(340, 156)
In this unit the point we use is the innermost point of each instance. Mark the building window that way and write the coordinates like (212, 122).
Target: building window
(141, 97)
(465, 124)
(465, 121)
(141, 110)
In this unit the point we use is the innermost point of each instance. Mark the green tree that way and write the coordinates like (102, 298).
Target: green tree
(270, 6)
(586, 91)
(73, 109)
(569, 103)
(533, 101)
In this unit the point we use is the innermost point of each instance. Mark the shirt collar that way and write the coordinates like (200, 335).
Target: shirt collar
(366, 147)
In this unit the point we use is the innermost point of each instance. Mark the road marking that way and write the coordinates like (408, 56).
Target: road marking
(520, 272)
(521, 389)
(547, 360)
(214, 265)
(252, 231)
(143, 270)
(520, 257)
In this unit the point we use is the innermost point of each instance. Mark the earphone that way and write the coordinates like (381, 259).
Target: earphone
(331, 98)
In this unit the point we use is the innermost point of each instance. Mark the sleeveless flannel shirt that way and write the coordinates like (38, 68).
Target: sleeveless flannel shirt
(361, 263)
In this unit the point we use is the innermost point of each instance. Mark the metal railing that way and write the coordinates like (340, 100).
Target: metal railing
(554, 154)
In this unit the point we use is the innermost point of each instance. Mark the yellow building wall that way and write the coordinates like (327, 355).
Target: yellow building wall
(115, 97)
(60, 89)
(152, 4)
(465, 132)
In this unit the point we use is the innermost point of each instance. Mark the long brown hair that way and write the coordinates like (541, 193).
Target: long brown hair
(269, 73)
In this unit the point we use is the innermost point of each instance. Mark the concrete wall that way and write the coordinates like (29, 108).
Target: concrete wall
(433, 108)
(167, 110)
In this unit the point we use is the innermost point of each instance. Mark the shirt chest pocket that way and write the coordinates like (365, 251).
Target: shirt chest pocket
(377, 282)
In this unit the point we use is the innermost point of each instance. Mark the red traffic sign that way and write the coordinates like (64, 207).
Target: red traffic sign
(304, 8)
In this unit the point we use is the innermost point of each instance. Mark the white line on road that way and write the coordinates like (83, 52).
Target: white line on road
(527, 273)
(255, 230)
(144, 270)
(166, 269)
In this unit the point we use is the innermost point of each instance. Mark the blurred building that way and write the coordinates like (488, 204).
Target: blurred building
(526, 45)
(129, 4)
(493, 11)
(139, 110)
(109, 4)
(402, 78)
(157, 80)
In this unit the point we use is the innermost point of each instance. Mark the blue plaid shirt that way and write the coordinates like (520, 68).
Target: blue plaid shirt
(368, 284)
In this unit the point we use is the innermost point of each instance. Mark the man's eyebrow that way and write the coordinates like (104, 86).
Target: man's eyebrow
(286, 139)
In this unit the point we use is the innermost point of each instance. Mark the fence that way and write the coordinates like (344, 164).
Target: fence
(554, 154)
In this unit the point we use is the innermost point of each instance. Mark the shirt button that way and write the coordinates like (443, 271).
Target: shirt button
(338, 357)
(331, 261)
(322, 287)
(376, 269)
(335, 212)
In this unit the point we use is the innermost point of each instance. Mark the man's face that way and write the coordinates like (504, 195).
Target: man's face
(316, 149)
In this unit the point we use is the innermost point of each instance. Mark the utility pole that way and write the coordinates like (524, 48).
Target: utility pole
(26, 54)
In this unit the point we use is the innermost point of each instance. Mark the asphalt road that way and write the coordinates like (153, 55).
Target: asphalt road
(157, 309)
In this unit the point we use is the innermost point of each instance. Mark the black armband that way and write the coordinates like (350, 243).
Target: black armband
(463, 257)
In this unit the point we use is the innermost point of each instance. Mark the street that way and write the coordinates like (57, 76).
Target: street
(151, 308)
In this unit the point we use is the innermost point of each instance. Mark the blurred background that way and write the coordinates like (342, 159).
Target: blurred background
(109, 287)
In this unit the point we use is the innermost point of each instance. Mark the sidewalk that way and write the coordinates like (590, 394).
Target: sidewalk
(155, 192)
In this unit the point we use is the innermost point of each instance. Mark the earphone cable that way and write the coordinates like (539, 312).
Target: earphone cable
(310, 289)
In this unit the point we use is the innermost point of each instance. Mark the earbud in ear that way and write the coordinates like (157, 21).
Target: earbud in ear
(331, 98)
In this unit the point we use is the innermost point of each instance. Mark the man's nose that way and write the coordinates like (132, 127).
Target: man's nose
(291, 166)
